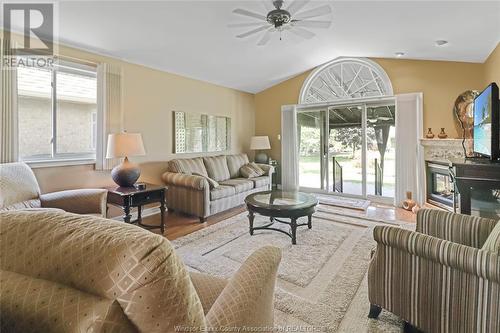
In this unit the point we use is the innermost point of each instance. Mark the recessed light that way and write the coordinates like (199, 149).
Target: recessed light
(399, 54)
(441, 42)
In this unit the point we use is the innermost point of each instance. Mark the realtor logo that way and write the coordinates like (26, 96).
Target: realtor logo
(36, 21)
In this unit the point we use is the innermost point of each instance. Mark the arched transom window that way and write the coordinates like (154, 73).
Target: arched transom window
(345, 78)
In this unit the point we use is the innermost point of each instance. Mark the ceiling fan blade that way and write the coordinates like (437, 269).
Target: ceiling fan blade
(265, 38)
(311, 24)
(241, 25)
(319, 11)
(245, 12)
(302, 32)
(296, 6)
(251, 32)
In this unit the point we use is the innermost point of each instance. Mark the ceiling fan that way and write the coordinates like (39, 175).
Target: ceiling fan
(278, 19)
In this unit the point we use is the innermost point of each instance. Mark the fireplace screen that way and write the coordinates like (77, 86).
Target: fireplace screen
(439, 185)
(442, 185)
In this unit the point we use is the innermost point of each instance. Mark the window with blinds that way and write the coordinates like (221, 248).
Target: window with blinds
(57, 112)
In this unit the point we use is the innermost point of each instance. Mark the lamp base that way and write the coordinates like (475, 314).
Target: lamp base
(125, 174)
(261, 158)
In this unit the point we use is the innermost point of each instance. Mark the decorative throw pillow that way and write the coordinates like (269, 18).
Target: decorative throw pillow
(212, 183)
(492, 243)
(175, 166)
(188, 166)
(251, 170)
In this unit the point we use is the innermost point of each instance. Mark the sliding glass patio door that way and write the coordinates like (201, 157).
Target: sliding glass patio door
(348, 149)
(311, 136)
(381, 151)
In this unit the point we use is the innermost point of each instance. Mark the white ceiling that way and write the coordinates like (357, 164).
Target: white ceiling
(191, 38)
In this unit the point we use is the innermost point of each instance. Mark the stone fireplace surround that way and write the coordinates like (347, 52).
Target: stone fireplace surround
(442, 150)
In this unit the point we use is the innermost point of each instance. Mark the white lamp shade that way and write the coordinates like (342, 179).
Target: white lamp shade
(260, 143)
(125, 144)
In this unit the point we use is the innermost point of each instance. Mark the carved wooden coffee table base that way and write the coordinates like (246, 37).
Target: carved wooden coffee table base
(280, 205)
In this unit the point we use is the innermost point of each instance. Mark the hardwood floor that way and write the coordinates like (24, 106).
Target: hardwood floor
(178, 225)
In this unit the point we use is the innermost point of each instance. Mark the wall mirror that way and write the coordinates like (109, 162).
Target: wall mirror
(199, 133)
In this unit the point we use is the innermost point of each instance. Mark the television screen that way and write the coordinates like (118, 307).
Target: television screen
(482, 122)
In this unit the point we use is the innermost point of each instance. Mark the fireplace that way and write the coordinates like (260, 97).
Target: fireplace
(439, 184)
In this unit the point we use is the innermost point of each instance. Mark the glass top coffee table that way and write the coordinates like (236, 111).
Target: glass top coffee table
(278, 205)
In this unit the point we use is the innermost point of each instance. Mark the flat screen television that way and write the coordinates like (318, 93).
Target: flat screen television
(486, 127)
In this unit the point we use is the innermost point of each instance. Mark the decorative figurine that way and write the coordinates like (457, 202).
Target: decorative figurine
(429, 134)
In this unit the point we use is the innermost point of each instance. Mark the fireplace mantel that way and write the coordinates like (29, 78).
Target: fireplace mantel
(442, 150)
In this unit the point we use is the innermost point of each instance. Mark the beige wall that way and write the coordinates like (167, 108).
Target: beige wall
(149, 97)
(440, 81)
(492, 67)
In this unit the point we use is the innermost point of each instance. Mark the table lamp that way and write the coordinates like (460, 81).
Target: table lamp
(123, 145)
(260, 143)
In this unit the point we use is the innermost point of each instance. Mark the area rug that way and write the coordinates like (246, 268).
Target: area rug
(322, 284)
(335, 200)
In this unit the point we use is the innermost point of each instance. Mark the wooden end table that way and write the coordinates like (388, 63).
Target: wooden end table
(128, 197)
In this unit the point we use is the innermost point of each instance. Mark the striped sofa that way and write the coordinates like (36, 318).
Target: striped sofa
(191, 181)
(445, 277)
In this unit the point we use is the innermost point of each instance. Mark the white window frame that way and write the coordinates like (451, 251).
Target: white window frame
(58, 160)
(93, 130)
(337, 90)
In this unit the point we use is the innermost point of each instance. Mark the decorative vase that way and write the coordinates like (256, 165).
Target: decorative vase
(261, 157)
(409, 203)
(464, 118)
(415, 209)
(126, 173)
(463, 110)
(442, 134)
(429, 134)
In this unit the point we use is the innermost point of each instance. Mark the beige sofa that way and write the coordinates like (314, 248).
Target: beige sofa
(190, 192)
(63, 272)
(19, 190)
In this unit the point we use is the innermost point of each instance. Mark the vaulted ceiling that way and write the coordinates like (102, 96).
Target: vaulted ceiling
(191, 38)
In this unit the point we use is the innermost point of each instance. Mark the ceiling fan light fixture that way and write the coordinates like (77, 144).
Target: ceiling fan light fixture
(280, 19)
(278, 16)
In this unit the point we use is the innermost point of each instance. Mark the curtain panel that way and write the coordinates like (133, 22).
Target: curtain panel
(8, 95)
(410, 168)
(289, 149)
(110, 111)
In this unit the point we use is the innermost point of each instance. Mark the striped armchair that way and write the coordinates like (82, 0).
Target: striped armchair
(439, 278)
